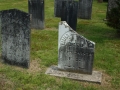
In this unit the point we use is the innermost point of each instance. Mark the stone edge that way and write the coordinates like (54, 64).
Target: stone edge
(96, 76)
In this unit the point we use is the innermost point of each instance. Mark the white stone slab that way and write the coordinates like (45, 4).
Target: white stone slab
(96, 76)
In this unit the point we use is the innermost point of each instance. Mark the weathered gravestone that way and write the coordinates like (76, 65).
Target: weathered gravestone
(85, 9)
(15, 30)
(76, 53)
(75, 56)
(36, 10)
(69, 13)
(58, 7)
(0, 31)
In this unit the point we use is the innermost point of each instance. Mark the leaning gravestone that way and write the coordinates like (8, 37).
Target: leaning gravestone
(75, 56)
(85, 9)
(15, 31)
(69, 13)
(36, 10)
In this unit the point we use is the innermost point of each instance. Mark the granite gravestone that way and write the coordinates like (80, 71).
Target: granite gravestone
(75, 56)
(76, 53)
(15, 30)
(36, 10)
(69, 13)
(85, 9)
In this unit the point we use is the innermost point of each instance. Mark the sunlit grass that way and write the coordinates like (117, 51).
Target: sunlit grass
(44, 49)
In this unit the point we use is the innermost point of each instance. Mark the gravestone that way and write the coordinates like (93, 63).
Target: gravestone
(36, 10)
(75, 56)
(76, 53)
(85, 9)
(58, 7)
(15, 31)
(0, 31)
(100, 1)
(69, 13)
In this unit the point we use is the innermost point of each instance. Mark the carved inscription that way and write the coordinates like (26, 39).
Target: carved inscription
(15, 30)
(76, 53)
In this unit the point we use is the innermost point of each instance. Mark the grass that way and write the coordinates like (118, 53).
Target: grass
(44, 45)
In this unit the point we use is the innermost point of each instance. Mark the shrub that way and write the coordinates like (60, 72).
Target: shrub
(113, 17)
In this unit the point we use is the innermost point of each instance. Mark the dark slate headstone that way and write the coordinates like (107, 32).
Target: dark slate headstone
(76, 53)
(58, 7)
(100, 1)
(0, 31)
(36, 10)
(15, 30)
(69, 13)
(85, 9)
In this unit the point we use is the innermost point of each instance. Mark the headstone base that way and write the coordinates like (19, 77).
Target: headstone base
(96, 76)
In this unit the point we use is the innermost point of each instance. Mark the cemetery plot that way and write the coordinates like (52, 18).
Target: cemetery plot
(75, 56)
(15, 30)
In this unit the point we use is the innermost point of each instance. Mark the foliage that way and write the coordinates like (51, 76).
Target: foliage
(114, 17)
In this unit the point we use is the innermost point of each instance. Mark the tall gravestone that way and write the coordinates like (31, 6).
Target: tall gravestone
(0, 31)
(85, 9)
(69, 13)
(36, 10)
(15, 31)
(58, 7)
(76, 53)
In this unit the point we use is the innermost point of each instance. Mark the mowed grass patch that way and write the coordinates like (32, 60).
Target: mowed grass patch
(44, 53)
(44, 45)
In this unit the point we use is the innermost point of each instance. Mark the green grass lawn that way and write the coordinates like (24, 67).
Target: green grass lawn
(44, 53)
